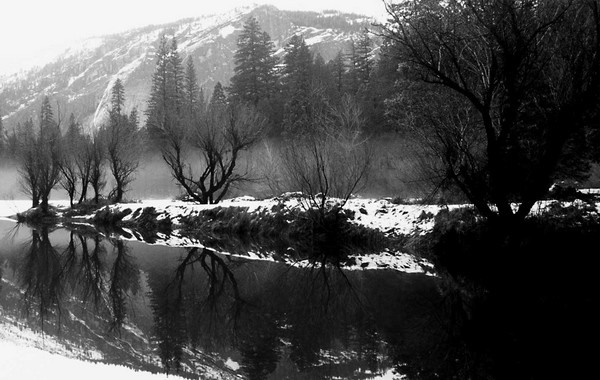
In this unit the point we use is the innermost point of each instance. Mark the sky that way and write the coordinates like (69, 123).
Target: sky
(34, 31)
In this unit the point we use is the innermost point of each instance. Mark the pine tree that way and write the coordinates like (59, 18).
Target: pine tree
(361, 61)
(297, 65)
(193, 97)
(202, 100)
(175, 80)
(320, 75)
(134, 119)
(2, 138)
(49, 153)
(218, 98)
(382, 85)
(337, 67)
(254, 77)
(297, 83)
(68, 163)
(117, 97)
(47, 122)
(28, 156)
(156, 109)
(122, 143)
(166, 102)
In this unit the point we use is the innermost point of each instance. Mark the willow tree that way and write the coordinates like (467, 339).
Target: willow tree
(40, 157)
(204, 154)
(502, 92)
(123, 146)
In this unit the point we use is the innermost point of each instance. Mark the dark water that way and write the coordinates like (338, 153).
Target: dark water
(192, 310)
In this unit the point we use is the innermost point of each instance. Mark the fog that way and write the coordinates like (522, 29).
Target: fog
(392, 174)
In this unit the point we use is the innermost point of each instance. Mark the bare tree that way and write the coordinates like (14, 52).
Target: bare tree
(49, 149)
(332, 159)
(83, 161)
(97, 171)
(520, 82)
(68, 162)
(40, 157)
(203, 155)
(28, 161)
(122, 143)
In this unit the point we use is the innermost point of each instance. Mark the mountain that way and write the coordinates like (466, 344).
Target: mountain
(80, 80)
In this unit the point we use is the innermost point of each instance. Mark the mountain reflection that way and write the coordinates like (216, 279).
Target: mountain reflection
(190, 310)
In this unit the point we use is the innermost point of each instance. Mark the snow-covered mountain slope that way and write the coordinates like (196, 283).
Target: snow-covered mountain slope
(81, 78)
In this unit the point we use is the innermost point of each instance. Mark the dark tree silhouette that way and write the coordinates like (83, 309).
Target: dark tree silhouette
(203, 157)
(97, 155)
(40, 156)
(500, 91)
(123, 145)
(71, 148)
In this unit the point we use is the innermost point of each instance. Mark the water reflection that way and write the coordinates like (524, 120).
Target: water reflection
(190, 310)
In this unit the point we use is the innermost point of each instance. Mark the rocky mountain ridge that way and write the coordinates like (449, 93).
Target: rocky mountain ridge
(79, 81)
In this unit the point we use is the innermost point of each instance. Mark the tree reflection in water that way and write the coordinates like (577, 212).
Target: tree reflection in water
(276, 321)
(49, 276)
(189, 307)
(124, 279)
(285, 321)
(41, 276)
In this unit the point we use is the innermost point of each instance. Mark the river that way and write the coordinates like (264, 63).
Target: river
(195, 312)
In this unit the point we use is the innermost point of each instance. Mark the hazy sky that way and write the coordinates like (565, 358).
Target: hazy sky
(32, 31)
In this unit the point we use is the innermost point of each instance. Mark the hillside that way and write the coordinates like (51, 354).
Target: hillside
(81, 78)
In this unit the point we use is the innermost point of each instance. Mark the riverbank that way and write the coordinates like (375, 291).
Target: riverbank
(260, 229)
(505, 293)
(367, 222)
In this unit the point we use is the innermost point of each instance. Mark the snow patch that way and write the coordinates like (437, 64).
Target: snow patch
(12, 207)
(30, 363)
(226, 31)
(232, 364)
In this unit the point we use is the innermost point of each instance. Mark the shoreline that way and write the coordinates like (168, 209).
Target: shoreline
(380, 215)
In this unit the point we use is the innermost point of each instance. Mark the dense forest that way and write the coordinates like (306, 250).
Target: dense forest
(277, 103)
(496, 115)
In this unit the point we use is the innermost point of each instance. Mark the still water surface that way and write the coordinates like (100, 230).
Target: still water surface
(195, 312)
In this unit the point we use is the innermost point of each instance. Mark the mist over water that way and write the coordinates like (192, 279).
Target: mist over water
(391, 175)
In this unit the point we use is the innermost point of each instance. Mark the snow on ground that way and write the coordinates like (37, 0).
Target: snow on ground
(27, 354)
(12, 207)
(30, 363)
(392, 219)
(379, 214)
(227, 30)
(390, 374)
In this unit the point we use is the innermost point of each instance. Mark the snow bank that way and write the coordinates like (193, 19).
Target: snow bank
(12, 207)
(378, 214)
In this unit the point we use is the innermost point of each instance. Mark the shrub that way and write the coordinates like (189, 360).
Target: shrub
(109, 217)
(325, 236)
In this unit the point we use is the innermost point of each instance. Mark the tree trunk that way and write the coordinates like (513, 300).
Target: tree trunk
(84, 189)
(44, 204)
(35, 200)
